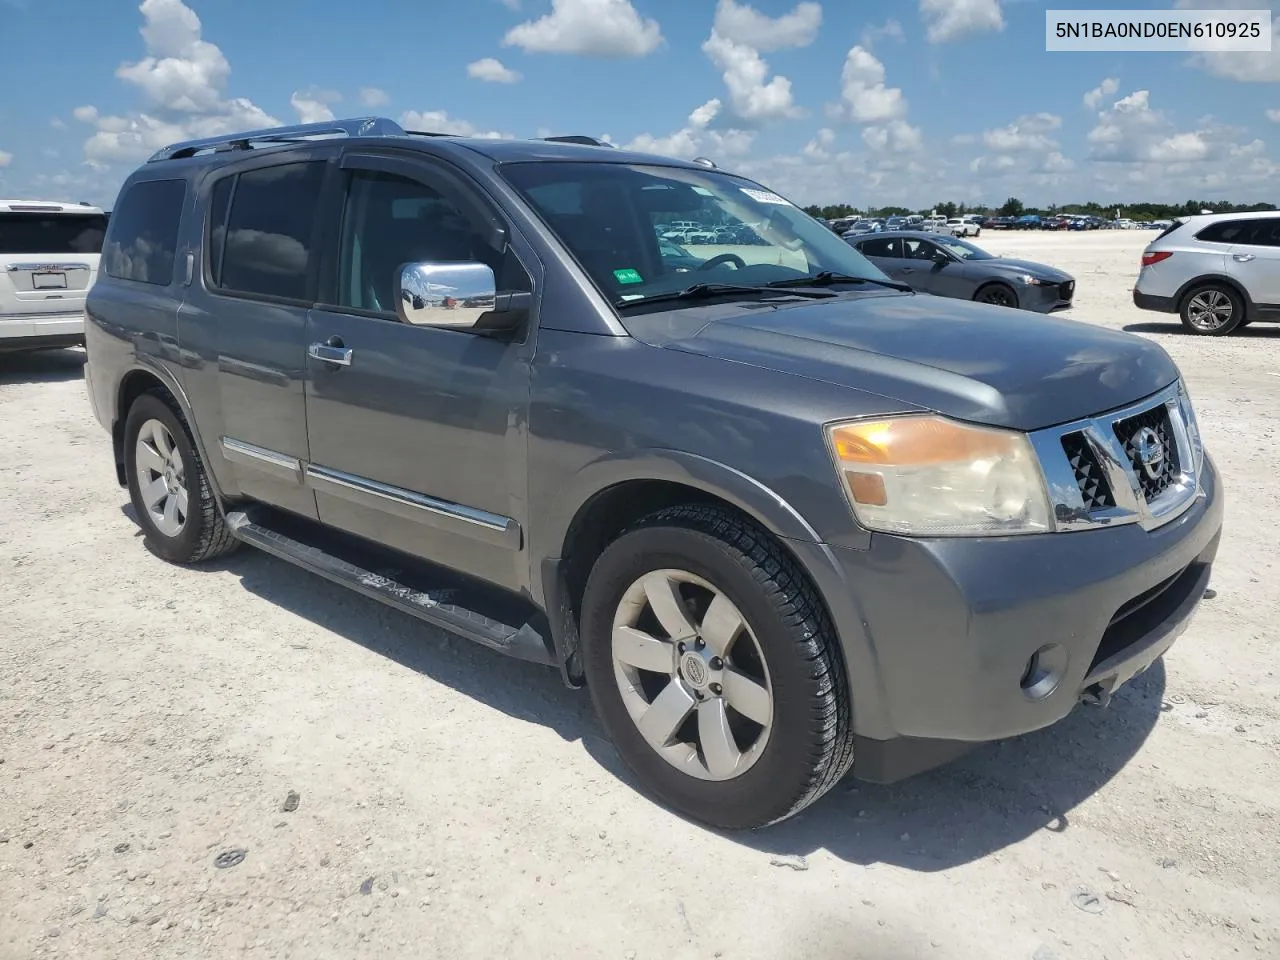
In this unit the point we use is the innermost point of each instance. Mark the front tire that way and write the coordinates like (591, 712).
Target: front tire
(998, 295)
(1212, 310)
(170, 490)
(715, 670)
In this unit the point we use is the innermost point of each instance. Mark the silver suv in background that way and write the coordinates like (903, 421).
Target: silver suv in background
(1218, 272)
(48, 261)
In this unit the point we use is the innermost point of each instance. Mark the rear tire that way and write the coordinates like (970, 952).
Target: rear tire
(1212, 310)
(170, 490)
(735, 752)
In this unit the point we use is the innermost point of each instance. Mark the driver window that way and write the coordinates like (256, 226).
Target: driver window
(390, 221)
(918, 249)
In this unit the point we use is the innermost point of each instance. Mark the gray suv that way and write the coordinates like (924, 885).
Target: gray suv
(782, 516)
(1218, 272)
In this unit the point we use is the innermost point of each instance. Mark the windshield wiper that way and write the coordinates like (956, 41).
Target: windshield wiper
(708, 291)
(826, 278)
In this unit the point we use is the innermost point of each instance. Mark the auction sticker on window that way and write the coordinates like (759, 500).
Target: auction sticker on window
(628, 276)
(764, 196)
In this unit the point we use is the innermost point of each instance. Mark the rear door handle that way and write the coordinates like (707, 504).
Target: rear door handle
(1242, 257)
(331, 352)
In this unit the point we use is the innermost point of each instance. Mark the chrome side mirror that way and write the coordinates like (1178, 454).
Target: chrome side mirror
(452, 295)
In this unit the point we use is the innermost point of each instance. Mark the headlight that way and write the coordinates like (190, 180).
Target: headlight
(1193, 426)
(1036, 281)
(932, 477)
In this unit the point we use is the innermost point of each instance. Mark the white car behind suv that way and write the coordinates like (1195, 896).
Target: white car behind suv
(48, 261)
(1218, 272)
(964, 227)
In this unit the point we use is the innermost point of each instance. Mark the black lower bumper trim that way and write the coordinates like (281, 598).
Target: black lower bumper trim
(888, 761)
(1145, 301)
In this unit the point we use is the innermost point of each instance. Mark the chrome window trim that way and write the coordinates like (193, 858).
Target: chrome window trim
(1065, 498)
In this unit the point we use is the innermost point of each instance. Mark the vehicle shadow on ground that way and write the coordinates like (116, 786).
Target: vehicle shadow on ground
(44, 366)
(1261, 331)
(996, 796)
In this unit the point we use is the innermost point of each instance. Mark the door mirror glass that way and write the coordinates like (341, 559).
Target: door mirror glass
(454, 295)
(941, 257)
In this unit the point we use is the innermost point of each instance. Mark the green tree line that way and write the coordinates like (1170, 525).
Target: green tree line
(1013, 207)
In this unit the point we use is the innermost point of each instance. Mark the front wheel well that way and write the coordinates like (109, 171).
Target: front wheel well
(134, 385)
(1213, 280)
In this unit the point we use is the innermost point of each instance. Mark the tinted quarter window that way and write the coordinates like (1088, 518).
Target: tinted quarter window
(51, 233)
(1266, 233)
(219, 204)
(268, 245)
(143, 234)
(390, 221)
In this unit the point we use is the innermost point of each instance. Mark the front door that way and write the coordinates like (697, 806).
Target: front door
(924, 272)
(417, 441)
(1256, 262)
(885, 253)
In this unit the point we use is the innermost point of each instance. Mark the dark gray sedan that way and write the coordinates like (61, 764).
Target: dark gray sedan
(951, 267)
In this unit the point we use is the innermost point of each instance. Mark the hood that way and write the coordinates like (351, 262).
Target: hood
(1041, 270)
(971, 361)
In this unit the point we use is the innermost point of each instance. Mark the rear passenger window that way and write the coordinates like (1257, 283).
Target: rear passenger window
(269, 231)
(143, 234)
(879, 247)
(218, 206)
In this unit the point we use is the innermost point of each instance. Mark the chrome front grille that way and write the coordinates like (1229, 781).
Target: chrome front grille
(1136, 465)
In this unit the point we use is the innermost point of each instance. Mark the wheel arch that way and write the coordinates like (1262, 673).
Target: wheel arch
(1185, 290)
(610, 494)
(146, 378)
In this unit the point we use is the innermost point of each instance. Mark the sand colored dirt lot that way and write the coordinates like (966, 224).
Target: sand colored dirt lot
(453, 804)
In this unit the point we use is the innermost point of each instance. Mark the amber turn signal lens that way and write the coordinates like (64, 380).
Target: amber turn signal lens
(916, 441)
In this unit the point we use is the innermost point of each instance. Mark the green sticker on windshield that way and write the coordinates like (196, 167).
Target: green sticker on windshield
(628, 276)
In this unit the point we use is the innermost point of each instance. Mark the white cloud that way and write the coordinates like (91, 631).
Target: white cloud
(866, 98)
(752, 95)
(890, 30)
(992, 166)
(182, 80)
(820, 146)
(439, 121)
(1273, 115)
(492, 71)
(897, 136)
(948, 20)
(58, 123)
(1055, 162)
(373, 97)
(696, 138)
(591, 28)
(511, 4)
(1106, 88)
(1026, 133)
(6, 158)
(312, 106)
(749, 27)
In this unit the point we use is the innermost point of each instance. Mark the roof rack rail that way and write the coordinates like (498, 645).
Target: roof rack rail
(580, 139)
(359, 127)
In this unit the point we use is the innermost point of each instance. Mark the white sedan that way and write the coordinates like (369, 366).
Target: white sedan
(963, 227)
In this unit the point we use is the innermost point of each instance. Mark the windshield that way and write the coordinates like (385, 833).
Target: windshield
(57, 233)
(622, 221)
(962, 249)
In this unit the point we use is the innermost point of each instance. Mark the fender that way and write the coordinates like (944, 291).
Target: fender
(676, 466)
(152, 365)
(1249, 306)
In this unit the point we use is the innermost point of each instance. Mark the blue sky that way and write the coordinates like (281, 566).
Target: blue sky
(874, 101)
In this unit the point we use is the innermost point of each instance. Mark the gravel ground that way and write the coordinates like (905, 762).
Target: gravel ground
(450, 803)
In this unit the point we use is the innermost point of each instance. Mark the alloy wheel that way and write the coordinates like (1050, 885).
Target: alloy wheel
(692, 675)
(1210, 310)
(161, 478)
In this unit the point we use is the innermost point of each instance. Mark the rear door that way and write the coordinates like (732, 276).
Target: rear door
(48, 260)
(248, 320)
(885, 253)
(1255, 262)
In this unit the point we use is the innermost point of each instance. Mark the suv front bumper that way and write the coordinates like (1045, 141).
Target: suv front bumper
(955, 631)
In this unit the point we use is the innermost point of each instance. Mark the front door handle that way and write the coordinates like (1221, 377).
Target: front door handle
(332, 351)
(1242, 257)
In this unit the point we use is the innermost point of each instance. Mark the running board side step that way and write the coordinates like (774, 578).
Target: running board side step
(522, 642)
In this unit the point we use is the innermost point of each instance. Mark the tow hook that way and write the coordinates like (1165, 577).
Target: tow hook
(1096, 696)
